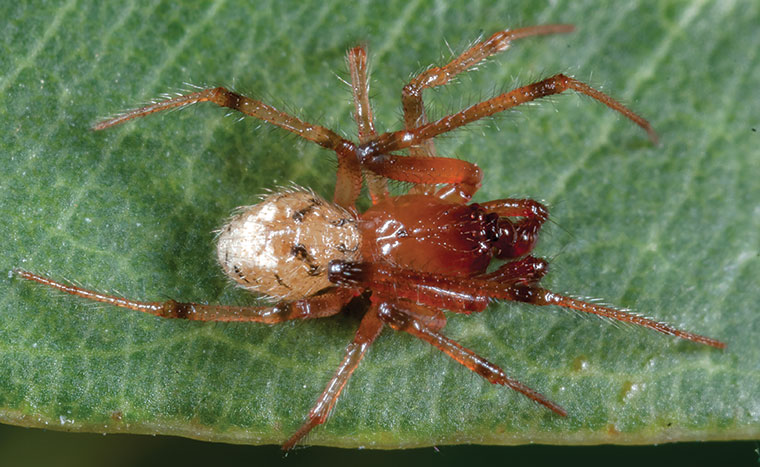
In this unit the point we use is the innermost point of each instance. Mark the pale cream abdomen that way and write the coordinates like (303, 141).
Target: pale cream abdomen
(281, 246)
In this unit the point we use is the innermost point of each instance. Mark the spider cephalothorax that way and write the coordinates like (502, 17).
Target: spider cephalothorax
(411, 256)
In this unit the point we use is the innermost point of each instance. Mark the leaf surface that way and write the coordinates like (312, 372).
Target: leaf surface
(671, 231)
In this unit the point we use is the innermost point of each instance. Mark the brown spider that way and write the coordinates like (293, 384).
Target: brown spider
(411, 256)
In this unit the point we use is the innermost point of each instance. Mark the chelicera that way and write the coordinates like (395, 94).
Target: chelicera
(409, 256)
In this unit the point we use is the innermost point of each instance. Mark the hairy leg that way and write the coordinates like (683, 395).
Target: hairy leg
(453, 293)
(357, 67)
(349, 178)
(318, 306)
(411, 95)
(540, 296)
(394, 315)
(462, 178)
(431, 318)
(466, 295)
(394, 141)
(527, 271)
(369, 329)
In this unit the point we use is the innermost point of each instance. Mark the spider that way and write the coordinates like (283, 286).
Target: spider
(409, 256)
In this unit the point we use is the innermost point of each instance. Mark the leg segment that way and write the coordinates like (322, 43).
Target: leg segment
(525, 271)
(454, 293)
(349, 173)
(466, 295)
(225, 98)
(432, 318)
(511, 207)
(462, 176)
(411, 95)
(396, 317)
(540, 296)
(395, 141)
(357, 67)
(318, 306)
(369, 329)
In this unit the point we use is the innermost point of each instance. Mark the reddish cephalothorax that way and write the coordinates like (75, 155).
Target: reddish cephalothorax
(410, 256)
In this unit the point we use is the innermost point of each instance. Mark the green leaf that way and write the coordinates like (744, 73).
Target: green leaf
(669, 231)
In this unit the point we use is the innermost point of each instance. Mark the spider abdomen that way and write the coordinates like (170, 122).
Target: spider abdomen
(281, 246)
(429, 234)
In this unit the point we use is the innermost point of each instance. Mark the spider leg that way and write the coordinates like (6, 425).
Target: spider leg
(432, 318)
(461, 177)
(540, 296)
(528, 270)
(394, 141)
(226, 98)
(349, 180)
(517, 207)
(357, 67)
(411, 94)
(513, 281)
(318, 306)
(454, 293)
(369, 329)
(392, 314)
